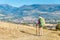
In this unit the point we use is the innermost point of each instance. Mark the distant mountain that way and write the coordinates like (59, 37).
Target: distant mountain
(29, 13)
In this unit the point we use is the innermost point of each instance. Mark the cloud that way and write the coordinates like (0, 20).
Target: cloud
(2, 15)
(7, 17)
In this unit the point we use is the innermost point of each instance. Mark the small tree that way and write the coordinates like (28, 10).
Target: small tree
(58, 26)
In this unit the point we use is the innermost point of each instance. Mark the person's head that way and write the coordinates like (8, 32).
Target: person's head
(40, 17)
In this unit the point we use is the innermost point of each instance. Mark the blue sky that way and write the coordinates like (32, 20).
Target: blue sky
(18, 3)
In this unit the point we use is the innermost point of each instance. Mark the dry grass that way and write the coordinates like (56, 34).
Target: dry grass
(10, 31)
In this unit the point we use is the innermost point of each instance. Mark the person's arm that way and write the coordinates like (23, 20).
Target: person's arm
(37, 23)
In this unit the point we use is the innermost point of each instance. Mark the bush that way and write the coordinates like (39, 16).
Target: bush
(58, 27)
(44, 27)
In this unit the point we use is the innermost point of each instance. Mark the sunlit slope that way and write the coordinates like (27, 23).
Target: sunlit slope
(10, 31)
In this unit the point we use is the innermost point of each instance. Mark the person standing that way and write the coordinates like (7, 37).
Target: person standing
(40, 24)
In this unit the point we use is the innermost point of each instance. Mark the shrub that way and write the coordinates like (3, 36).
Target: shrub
(58, 27)
(44, 27)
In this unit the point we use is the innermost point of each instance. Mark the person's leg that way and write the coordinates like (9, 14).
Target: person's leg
(41, 31)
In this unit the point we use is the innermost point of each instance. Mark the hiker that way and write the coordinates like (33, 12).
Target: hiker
(40, 24)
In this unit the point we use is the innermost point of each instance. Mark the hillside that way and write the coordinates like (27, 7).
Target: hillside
(26, 13)
(10, 31)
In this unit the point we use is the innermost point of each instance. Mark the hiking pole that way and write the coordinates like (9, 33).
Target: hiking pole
(36, 29)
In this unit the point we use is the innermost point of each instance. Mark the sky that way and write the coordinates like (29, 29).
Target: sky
(18, 3)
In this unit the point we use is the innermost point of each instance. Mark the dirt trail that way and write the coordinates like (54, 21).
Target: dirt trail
(10, 31)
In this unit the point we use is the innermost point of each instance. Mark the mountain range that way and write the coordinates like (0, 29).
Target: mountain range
(29, 13)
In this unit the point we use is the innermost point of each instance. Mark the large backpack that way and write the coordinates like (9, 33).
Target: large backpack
(41, 21)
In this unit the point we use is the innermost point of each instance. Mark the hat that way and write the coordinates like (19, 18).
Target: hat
(40, 17)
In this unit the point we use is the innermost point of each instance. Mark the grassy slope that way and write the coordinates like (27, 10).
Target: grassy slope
(10, 31)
